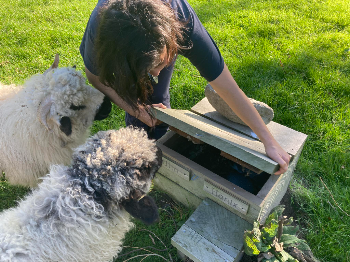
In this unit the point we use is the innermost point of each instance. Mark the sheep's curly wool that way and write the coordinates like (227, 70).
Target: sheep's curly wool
(78, 213)
(42, 121)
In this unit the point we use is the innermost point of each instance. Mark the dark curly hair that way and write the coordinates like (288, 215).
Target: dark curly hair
(132, 34)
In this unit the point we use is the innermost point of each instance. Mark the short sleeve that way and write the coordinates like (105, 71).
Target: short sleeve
(87, 44)
(204, 53)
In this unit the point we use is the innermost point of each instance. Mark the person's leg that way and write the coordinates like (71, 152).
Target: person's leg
(160, 95)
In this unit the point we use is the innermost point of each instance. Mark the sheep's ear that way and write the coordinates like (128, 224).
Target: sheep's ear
(144, 209)
(66, 125)
(44, 111)
(54, 64)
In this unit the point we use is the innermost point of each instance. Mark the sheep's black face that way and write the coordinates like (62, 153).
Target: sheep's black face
(138, 204)
(148, 172)
(104, 109)
(159, 158)
(141, 207)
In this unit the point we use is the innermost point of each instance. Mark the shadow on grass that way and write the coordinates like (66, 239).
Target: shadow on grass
(9, 194)
(154, 242)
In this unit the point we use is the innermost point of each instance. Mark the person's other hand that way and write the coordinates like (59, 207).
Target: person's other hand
(277, 153)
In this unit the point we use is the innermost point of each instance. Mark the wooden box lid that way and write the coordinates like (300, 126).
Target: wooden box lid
(207, 125)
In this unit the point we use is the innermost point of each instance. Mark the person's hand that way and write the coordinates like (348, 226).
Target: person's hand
(160, 105)
(277, 153)
(144, 116)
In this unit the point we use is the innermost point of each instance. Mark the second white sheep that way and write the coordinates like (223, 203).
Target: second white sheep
(43, 120)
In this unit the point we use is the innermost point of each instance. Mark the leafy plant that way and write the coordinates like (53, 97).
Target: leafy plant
(276, 240)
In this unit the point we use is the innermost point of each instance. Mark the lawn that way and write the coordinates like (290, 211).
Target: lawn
(292, 55)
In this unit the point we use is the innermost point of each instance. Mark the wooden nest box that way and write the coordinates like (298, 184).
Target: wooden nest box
(220, 168)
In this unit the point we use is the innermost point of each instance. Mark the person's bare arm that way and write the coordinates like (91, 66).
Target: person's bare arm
(228, 90)
(116, 99)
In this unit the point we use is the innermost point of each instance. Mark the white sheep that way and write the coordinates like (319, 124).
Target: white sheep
(42, 121)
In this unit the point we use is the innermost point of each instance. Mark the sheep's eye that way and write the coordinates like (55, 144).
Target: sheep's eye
(75, 108)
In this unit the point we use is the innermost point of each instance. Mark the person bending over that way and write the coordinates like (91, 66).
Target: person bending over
(129, 50)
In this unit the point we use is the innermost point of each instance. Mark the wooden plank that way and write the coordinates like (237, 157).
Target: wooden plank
(240, 162)
(221, 137)
(205, 109)
(190, 138)
(170, 168)
(212, 233)
(221, 227)
(289, 139)
(225, 197)
(198, 248)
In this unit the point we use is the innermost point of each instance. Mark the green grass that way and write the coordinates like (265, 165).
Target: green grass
(153, 242)
(9, 195)
(292, 55)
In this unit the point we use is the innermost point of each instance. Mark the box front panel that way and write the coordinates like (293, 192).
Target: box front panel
(202, 186)
(173, 168)
(226, 198)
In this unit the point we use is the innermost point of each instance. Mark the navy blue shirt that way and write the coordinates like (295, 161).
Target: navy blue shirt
(203, 54)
